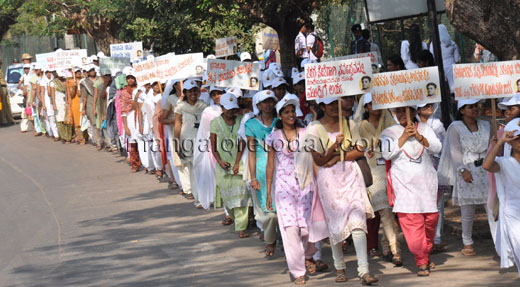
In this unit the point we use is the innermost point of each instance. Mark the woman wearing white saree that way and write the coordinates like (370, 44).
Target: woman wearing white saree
(465, 147)
(203, 160)
(187, 121)
(507, 174)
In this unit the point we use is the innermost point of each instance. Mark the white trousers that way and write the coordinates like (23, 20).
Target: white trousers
(468, 217)
(50, 126)
(144, 153)
(360, 244)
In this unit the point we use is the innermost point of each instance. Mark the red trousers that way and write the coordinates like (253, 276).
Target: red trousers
(419, 232)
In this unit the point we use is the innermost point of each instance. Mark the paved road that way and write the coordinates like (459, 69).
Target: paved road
(72, 216)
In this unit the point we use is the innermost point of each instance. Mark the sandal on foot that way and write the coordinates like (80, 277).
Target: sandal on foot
(368, 279)
(300, 280)
(310, 266)
(397, 261)
(468, 251)
(182, 192)
(431, 265)
(321, 266)
(190, 196)
(227, 221)
(269, 249)
(423, 272)
(243, 234)
(340, 276)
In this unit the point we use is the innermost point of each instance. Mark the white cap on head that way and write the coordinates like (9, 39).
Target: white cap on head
(77, 69)
(211, 56)
(228, 101)
(37, 66)
(285, 102)
(61, 74)
(264, 95)
(196, 79)
(245, 56)
(114, 72)
(462, 103)
(94, 58)
(307, 61)
(294, 72)
(213, 88)
(294, 97)
(278, 82)
(299, 77)
(127, 70)
(275, 70)
(235, 91)
(90, 67)
(26, 66)
(100, 54)
(513, 101)
(273, 65)
(513, 126)
(189, 84)
(267, 77)
(326, 101)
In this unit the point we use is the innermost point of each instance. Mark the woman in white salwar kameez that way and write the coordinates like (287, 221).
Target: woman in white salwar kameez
(465, 147)
(507, 174)
(203, 160)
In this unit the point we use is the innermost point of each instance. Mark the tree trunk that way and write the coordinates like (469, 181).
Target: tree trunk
(492, 23)
(287, 29)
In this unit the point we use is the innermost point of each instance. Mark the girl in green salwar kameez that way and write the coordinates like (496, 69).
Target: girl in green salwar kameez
(227, 150)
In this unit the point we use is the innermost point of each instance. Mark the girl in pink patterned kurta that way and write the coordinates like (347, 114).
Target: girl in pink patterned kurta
(341, 187)
(293, 194)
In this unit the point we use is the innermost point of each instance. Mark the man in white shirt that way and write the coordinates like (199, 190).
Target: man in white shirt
(310, 39)
(300, 46)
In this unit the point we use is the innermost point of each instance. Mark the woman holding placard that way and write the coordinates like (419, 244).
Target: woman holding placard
(257, 129)
(412, 182)
(187, 121)
(465, 147)
(370, 124)
(341, 187)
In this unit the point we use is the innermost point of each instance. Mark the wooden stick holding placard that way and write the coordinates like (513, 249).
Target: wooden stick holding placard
(408, 116)
(494, 117)
(341, 154)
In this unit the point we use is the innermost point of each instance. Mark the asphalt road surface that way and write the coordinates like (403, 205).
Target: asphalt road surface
(73, 216)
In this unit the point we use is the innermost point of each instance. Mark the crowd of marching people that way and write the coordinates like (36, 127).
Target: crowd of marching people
(294, 168)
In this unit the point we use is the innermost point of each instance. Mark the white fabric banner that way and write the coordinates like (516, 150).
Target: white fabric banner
(405, 88)
(243, 75)
(486, 80)
(337, 78)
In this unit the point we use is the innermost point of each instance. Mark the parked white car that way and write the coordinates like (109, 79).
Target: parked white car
(12, 78)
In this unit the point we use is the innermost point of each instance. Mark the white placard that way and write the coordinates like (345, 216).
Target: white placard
(144, 72)
(382, 10)
(372, 55)
(66, 59)
(243, 75)
(46, 60)
(337, 78)
(225, 46)
(405, 88)
(108, 65)
(133, 50)
(171, 66)
(486, 80)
